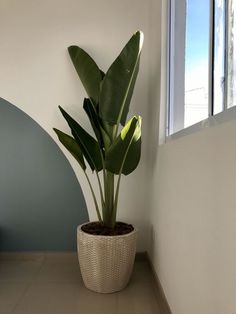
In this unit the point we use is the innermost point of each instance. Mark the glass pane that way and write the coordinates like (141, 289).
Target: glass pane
(196, 61)
(219, 56)
(231, 91)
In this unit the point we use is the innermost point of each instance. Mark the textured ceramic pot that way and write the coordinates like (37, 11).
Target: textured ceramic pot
(106, 262)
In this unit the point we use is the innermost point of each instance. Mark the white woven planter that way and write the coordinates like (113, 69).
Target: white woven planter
(106, 262)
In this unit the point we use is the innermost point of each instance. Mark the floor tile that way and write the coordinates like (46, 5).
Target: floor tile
(139, 296)
(19, 270)
(22, 256)
(137, 299)
(59, 272)
(141, 272)
(10, 294)
(64, 299)
(61, 257)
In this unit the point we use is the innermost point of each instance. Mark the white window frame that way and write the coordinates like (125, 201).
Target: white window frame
(177, 71)
(174, 111)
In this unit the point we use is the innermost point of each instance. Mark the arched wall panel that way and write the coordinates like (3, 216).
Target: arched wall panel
(41, 201)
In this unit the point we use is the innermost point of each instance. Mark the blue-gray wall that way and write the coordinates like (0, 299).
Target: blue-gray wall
(41, 201)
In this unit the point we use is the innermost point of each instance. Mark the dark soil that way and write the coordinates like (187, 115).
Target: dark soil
(97, 228)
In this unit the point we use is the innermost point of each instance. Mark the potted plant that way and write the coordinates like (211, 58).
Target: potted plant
(106, 248)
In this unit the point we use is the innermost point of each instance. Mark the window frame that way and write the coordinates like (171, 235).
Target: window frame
(213, 119)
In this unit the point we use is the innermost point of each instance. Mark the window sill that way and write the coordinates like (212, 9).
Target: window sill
(224, 116)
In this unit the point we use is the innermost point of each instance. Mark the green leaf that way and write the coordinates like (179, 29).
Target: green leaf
(72, 146)
(89, 146)
(94, 120)
(124, 154)
(106, 139)
(88, 71)
(118, 84)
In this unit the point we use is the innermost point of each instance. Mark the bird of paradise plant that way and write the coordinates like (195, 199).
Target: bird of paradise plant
(112, 152)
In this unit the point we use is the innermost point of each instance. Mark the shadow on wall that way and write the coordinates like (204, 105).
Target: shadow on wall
(41, 202)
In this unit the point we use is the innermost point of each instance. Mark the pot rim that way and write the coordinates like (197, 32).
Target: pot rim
(105, 236)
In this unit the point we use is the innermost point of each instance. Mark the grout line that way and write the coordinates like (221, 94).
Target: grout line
(20, 297)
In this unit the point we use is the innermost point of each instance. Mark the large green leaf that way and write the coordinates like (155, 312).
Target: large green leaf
(89, 146)
(72, 146)
(124, 154)
(118, 83)
(94, 119)
(96, 122)
(88, 71)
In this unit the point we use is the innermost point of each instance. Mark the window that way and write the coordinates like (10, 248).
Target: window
(202, 58)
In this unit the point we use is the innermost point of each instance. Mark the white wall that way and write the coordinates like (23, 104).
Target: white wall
(194, 221)
(37, 75)
(193, 215)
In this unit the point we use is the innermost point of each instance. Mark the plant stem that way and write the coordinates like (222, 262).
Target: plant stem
(103, 195)
(118, 186)
(108, 180)
(116, 201)
(104, 187)
(100, 189)
(109, 198)
(94, 197)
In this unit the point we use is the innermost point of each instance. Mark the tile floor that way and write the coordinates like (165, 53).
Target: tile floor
(51, 283)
